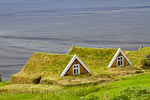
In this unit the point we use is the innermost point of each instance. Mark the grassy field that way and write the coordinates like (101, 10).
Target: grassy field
(3, 84)
(105, 91)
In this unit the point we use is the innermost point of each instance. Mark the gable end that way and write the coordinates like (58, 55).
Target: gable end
(113, 62)
(69, 69)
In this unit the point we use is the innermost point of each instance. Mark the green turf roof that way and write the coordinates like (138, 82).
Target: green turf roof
(44, 65)
(94, 58)
(136, 57)
(47, 63)
(50, 66)
(106, 54)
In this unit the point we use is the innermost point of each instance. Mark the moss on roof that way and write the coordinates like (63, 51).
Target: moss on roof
(136, 57)
(47, 67)
(42, 65)
(95, 58)
(42, 62)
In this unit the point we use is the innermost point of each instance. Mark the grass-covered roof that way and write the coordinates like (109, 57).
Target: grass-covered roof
(94, 58)
(106, 54)
(46, 63)
(42, 65)
(47, 67)
(136, 57)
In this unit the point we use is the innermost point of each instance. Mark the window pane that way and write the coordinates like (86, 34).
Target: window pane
(74, 71)
(118, 63)
(121, 63)
(74, 66)
(77, 71)
(77, 66)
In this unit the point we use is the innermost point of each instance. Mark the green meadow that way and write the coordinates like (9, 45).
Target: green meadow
(115, 90)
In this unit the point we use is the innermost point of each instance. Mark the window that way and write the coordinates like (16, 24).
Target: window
(120, 61)
(76, 69)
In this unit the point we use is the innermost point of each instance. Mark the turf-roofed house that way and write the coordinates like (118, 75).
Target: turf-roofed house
(75, 67)
(48, 68)
(107, 56)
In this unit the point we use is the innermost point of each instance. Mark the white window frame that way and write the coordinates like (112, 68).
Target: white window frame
(120, 60)
(78, 68)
